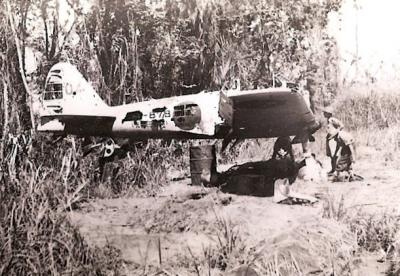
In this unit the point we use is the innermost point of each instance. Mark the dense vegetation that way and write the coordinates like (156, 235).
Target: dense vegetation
(131, 50)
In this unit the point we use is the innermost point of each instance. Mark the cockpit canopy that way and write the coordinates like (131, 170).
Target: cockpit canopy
(53, 89)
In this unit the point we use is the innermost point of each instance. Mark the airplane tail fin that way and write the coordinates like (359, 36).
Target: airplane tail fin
(66, 88)
(68, 93)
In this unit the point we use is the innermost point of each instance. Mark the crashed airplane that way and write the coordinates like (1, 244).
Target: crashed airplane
(70, 105)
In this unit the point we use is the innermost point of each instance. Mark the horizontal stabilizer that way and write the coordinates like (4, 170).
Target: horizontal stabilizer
(53, 126)
(78, 124)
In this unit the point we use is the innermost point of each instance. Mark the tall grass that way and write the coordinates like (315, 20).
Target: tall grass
(36, 236)
(231, 247)
(373, 118)
(377, 233)
(369, 109)
(246, 150)
(322, 247)
(143, 172)
(228, 250)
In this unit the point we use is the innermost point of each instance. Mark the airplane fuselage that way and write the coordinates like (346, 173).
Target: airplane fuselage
(71, 106)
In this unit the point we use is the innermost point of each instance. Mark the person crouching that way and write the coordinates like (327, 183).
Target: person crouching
(343, 154)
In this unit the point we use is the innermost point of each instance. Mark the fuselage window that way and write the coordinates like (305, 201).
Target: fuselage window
(185, 110)
(179, 111)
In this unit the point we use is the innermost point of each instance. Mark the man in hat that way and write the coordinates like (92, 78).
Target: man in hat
(343, 154)
(328, 114)
(331, 144)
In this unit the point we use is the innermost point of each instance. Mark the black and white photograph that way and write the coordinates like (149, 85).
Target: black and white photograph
(199, 137)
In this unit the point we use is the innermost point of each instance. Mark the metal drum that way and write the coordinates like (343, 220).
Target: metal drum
(203, 164)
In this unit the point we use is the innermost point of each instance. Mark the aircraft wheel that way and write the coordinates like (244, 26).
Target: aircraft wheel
(109, 148)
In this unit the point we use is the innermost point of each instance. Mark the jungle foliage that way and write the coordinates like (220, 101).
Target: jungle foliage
(130, 50)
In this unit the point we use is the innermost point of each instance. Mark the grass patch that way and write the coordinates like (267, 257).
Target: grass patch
(379, 233)
(323, 247)
(375, 232)
(36, 237)
(228, 251)
(43, 184)
(320, 247)
(368, 109)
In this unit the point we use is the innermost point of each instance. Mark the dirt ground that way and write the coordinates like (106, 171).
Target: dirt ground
(182, 218)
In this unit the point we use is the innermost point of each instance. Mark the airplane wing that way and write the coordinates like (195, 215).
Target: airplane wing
(270, 112)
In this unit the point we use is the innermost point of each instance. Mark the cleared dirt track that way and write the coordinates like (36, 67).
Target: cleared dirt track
(184, 220)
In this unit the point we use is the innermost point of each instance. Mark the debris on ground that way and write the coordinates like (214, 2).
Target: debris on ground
(284, 195)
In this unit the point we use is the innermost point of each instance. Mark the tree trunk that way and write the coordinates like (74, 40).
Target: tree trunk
(21, 67)
(5, 120)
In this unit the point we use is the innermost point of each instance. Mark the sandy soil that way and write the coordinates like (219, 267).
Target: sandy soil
(182, 218)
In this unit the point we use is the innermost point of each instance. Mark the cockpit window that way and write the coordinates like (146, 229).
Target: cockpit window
(53, 90)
